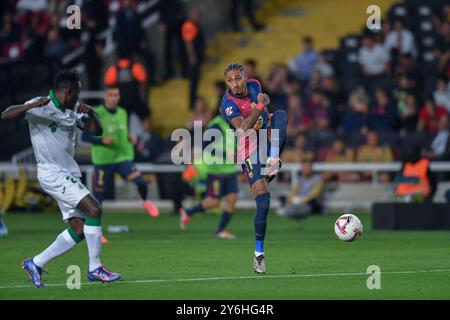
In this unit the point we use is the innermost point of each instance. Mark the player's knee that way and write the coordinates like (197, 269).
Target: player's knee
(215, 202)
(230, 208)
(260, 187)
(139, 181)
(210, 203)
(230, 205)
(136, 177)
(232, 198)
(95, 210)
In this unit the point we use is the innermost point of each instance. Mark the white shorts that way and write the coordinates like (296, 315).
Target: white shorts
(66, 190)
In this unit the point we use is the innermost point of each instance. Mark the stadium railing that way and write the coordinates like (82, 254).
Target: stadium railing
(245, 202)
(374, 167)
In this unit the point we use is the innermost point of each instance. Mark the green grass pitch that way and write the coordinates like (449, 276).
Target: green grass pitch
(304, 260)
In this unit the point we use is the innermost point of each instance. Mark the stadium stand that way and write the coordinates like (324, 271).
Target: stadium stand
(340, 100)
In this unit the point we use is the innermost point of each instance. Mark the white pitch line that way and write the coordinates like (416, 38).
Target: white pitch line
(238, 278)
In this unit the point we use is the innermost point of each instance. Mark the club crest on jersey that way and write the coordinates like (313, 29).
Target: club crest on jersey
(229, 111)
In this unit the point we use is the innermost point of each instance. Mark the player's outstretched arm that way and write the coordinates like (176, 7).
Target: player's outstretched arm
(94, 125)
(17, 111)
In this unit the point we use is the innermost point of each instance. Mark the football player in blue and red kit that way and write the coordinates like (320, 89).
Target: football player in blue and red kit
(244, 106)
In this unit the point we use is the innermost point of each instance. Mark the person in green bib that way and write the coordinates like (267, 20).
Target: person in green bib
(221, 179)
(113, 152)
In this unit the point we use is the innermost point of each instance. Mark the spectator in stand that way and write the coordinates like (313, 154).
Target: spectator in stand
(306, 196)
(408, 115)
(96, 21)
(303, 66)
(429, 116)
(383, 114)
(131, 78)
(249, 11)
(400, 40)
(372, 57)
(251, 68)
(219, 90)
(32, 5)
(386, 27)
(37, 25)
(195, 45)
(58, 8)
(320, 109)
(315, 81)
(128, 32)
(322, 71)
(373, 152)
(407, 69)
(438, 148)
(357, 120)
(275, 85)
(443, 48)
(340, 153)
(292, 86)
(374, 61)
(325, 69)
(171, 16)
(442, 94)
(330, 88)
(11, 45)
(299, 121)
(300, 151)
(55, 49)
(402, 89)
(200, 113)
(149, 145)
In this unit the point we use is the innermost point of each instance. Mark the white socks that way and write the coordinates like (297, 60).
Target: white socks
(93, 236)
(67, 239)
(63, 243)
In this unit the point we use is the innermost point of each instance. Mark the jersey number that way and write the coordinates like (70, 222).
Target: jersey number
(101, 175)
(248, 165)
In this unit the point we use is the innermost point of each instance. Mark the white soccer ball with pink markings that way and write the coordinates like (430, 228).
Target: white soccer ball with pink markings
(348, 227)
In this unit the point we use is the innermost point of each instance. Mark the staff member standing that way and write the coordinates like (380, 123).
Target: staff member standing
(113, 152)
(195, 48)
(130, 78)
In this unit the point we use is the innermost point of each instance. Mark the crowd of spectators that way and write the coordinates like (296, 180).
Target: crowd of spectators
(369, 102)
(366, 103)
(34, 38)
(362, 102)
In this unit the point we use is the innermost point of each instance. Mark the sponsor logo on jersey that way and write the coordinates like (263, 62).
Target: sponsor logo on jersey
(55, 127)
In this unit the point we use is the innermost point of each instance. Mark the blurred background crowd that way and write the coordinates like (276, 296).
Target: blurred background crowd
(366, 100)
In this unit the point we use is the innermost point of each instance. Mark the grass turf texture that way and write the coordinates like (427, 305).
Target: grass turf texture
(304, 260)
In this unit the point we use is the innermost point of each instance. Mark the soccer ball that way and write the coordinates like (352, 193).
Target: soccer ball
(348, 227)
